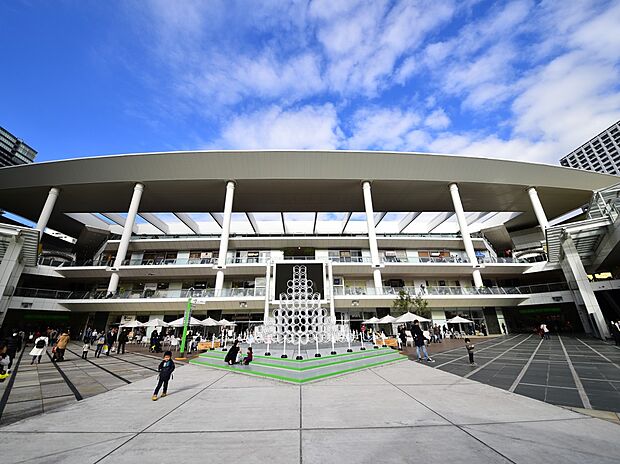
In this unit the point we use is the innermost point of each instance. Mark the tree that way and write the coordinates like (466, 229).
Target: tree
(417, 305)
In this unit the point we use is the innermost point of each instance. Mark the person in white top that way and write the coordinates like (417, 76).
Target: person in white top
(544, 331)
(174, 343)
(40, 345)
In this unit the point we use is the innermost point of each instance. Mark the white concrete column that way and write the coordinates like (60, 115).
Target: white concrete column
(538, 209)
(127, 230)
(469, 246)
(221, 259)
(330, 278)
(267, 291)
(372, 236)
(46, 212)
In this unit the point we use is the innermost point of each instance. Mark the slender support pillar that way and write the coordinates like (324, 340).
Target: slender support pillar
(267, 291)
(469, 246)
(538, 209)
(332, 307)
(372, 236)
(46, 212)
(127, 230)
(221, 259)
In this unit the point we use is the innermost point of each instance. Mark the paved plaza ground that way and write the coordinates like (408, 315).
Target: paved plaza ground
(569, 371)
(403, 412)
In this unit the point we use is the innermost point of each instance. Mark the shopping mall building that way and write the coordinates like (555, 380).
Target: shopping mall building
(501, 242)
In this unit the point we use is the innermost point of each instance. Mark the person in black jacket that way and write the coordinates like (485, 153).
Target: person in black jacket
(166, 367)
(122, 340)
(231, 356)
(13, 345)
(419, 340)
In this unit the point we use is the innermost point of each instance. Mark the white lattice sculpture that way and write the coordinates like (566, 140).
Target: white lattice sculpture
(300, 317)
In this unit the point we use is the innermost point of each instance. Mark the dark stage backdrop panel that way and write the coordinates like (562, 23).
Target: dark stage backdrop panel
(314, 272)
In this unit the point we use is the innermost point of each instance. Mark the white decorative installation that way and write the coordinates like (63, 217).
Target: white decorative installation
(300, 317)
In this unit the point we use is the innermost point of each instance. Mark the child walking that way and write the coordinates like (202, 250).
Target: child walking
(85, 349)
(165, 372)
(470, 351)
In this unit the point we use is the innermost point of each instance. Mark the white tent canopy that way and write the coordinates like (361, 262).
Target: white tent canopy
(180, 322)
(459, 320)
(224, 322)
(155, 323)
(209, 322)
(387, 320)
(410, 317)
(132, 324)
(372, 320)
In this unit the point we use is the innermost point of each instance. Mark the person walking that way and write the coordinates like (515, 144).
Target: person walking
(13, 345)
(85, 349)
(615, 332)
(165, 369)
(94, 336)
(420, 342)
(40, 345)
(122, 340)
(100, 344)
(111, 339)
(61, 346)
(544, 331)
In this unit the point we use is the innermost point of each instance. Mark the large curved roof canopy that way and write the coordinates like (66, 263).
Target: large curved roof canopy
(292, 181)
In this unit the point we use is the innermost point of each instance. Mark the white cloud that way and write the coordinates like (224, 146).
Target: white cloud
(265, 76)
(438, 119)
(308, 127)
(382, 128)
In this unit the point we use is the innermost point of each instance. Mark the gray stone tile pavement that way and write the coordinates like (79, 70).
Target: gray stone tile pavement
(392, 414)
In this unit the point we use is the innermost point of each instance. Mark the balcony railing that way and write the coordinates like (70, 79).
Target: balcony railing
(260, 292)
(359, 291)
(42, 293)
(133, 294)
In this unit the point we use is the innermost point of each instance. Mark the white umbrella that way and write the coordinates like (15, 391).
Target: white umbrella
(372, 320)
(410, 317)
(209, 322)
(224, 322)
(155, 323)
(132, 324)
(459, 320)
(387, 320)
(181, 322)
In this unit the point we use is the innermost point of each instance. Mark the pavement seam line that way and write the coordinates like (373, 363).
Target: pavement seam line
(478, 369)
(74, 390)
(101, 367)
(479, 351)
(582, 393)
(524, 370)
(600, 354)
(445, 418)
(165, 415)
(483, 342)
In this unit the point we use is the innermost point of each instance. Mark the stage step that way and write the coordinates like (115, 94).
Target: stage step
(309, 369)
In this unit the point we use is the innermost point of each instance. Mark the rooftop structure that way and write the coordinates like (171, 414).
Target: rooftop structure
(483, 238)
(14, 151)
(600, 154)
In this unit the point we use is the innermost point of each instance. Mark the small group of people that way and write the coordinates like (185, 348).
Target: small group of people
(235, 355)
(9, 347)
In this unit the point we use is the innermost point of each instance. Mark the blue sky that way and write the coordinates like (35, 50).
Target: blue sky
(521, 80)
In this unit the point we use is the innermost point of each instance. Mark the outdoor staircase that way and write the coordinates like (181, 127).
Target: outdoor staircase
(309, 369)
(587, 234)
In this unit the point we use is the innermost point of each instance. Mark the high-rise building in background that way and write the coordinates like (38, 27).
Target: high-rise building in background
(601, 153)
(14, 151)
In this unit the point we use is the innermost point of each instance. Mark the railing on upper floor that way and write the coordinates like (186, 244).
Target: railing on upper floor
(432, 291)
